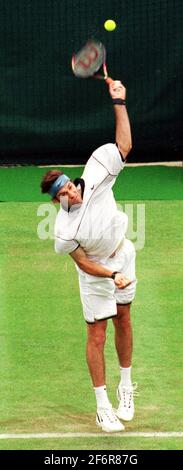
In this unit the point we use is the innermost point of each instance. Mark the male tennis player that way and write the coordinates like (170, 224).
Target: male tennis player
(92, 231)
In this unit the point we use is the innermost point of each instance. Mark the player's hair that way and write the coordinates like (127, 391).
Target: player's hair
(48, 179)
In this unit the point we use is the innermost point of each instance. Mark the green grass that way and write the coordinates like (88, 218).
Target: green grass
(45, 386)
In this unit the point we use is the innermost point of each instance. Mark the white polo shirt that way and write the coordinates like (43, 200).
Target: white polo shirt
(96, 225)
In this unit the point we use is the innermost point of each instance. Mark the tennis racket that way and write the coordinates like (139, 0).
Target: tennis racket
(90, 61)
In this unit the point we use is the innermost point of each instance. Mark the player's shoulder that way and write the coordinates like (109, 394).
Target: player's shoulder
(109, 156)
(104, 155)
(61, 221)
(109, 148)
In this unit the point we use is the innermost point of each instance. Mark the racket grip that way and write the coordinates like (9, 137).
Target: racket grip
(109, 80)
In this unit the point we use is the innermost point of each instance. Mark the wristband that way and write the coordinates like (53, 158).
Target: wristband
(114, 274)
(119, 101)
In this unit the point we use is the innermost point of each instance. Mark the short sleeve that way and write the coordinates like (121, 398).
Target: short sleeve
(109, 156)
(63, 247)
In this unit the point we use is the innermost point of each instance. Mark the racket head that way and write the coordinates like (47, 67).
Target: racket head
(88, 60)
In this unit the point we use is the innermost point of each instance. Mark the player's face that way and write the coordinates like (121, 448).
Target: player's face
(69, 195)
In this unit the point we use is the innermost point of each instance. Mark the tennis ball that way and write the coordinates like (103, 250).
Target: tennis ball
(110, 25)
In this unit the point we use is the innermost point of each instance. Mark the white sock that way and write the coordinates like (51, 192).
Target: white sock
(101, 397)
(125, 376)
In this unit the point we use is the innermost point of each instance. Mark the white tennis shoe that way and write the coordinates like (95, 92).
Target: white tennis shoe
(125, 396)
(108, 421)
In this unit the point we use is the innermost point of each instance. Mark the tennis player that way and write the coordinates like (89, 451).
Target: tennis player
(92, 231)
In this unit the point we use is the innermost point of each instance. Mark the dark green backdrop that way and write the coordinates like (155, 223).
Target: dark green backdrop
(47, 115)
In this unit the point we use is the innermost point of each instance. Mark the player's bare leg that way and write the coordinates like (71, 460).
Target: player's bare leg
(96, 336)
(124, 347)
(123, 335)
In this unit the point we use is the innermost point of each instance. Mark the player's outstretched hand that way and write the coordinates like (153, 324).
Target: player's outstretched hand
(121, 281)
(117, 90)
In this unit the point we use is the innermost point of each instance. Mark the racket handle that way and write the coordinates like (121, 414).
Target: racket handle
(109, 80)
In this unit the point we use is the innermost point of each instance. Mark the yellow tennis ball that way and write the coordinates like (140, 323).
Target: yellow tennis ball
(110, 25)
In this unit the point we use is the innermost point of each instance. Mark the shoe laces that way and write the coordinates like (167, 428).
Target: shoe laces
(108, 413)
(128, 393)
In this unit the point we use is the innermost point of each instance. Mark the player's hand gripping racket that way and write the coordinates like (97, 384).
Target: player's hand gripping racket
(88, 61)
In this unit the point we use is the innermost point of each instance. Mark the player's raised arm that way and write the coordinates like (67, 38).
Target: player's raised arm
(123, 130)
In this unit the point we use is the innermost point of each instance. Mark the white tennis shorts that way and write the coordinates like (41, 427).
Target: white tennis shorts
(99, 296)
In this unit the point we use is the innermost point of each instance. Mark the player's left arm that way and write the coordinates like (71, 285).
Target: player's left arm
(123, 129)
(96, 269)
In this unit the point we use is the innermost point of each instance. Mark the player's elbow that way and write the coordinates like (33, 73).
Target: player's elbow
(128, 149)
(125, 149)
(81, 265)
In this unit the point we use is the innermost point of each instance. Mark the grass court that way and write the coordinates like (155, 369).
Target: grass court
(45, 384)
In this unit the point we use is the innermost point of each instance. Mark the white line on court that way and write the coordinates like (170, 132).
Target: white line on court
(66, 435)
(176, 163)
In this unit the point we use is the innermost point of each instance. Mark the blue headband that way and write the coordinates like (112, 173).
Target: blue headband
(60, 181)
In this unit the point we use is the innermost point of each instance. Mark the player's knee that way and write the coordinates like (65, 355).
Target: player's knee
(98, 339)
(126, 324)
(123, 318)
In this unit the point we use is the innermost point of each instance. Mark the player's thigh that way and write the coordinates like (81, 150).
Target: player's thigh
(123, 314)
(97, 298)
